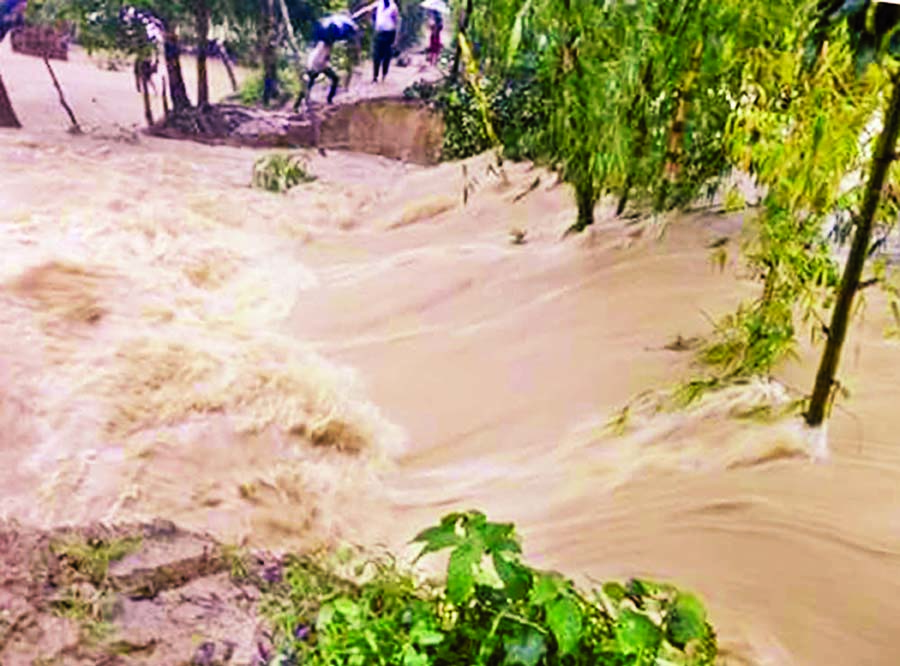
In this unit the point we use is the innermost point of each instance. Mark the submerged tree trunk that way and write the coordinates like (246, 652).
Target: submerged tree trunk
(180, 99)
(887, 142)
(584, 194)
(201, 16)
(7, 114)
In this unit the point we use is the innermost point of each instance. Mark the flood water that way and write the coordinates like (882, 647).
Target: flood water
(357, 357)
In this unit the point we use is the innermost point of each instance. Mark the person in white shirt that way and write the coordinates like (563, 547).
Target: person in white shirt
(319, 62)
(387, 22)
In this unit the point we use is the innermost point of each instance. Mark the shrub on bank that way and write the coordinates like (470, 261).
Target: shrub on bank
(517, 108)
(492, 609)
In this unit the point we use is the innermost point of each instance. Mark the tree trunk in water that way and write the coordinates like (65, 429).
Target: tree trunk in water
(177, 89)
(148, 108)
(201, 14)
(887, 142)
(463, 26)
(230, 70)
(623, 200)
(269, 56)
(7, 114)
(586, 199)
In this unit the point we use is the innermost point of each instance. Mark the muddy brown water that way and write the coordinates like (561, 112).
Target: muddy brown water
(172, 343)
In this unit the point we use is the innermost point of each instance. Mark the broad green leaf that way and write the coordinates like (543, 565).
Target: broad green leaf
(564, 618)
(526, 648)
(461, 570)
(488, 576)
(424, 636)
(686, 620)
(614, 591)
(516, 578)
(345, 606)
(500, 537)
(412, 657)
(437, 538)
(636, 633)
(546, 588)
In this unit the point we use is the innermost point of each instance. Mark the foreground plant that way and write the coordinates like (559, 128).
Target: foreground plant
(280, 172)
(492, 609)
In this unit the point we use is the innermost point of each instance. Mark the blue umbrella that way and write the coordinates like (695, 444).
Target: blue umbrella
(335, 28)
(12, 15)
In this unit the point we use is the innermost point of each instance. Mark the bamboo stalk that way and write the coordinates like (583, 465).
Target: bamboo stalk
(840, 317)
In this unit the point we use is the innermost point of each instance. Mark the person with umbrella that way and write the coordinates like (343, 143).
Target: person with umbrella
(387, 31)
(329, 30)
(435, 9)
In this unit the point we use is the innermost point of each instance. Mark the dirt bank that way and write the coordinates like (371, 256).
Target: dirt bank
(387, 126)
(133, 594)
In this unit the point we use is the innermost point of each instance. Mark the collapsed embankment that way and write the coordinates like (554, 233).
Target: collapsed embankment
(389, 126)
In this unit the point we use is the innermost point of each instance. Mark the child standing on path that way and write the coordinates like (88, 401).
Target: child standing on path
(387, 30)
(434, 45)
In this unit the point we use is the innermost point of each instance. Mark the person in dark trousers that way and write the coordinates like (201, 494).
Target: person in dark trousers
(387, 32)
(319, 62)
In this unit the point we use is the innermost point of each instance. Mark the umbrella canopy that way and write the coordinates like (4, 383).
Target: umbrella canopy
(12, 15)
(335, 28)
(441, 6)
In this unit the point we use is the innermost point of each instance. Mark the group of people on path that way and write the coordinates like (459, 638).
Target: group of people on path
(387, 21)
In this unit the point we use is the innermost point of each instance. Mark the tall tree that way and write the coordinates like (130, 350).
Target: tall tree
(201, 25)
(172, 50)
(268, 47)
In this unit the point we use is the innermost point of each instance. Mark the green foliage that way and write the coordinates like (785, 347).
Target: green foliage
(280, 172)
(251, 92)
(797, 130)
(516, 107)
(91, 609)
(493, 609)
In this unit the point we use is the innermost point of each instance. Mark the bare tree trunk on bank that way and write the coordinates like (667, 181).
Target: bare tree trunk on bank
(201, 14)
(7, 114)
(269, 55)
(180, 99)
(76, 128)
(859, 250)
(292, 40)
(165, 97)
